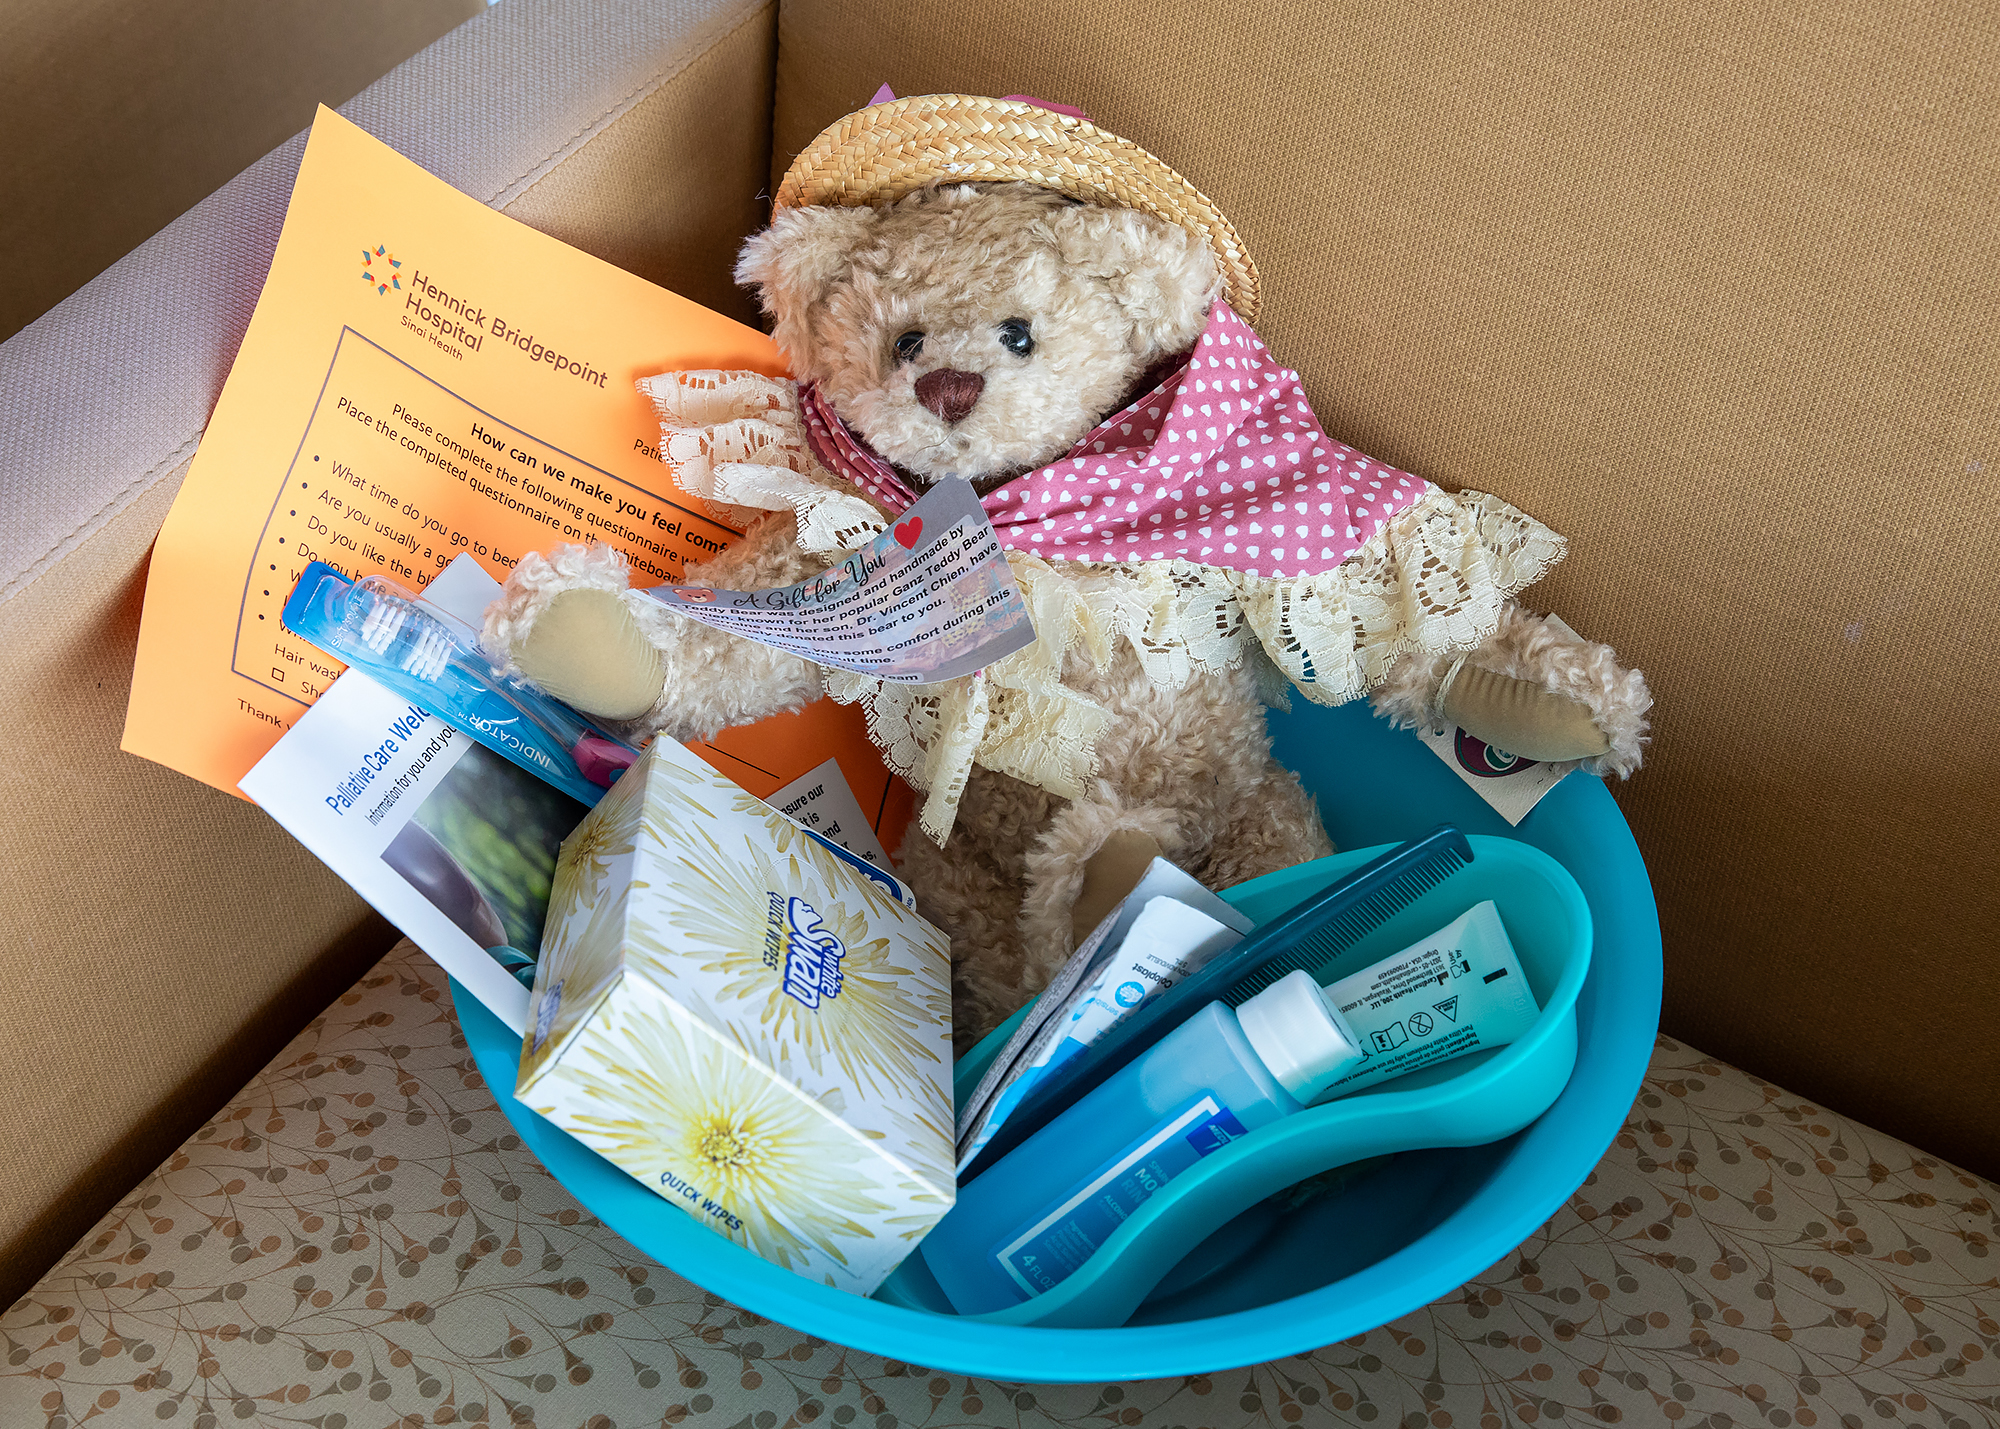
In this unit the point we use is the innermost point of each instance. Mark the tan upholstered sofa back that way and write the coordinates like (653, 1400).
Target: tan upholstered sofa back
(120, 116)
(1711, 289)
(162, 940)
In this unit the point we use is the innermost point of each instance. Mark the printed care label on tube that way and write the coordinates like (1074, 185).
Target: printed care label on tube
(930, 599)
(1455, 992)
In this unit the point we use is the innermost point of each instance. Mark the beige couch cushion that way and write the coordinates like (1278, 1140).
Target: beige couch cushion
(1709, 289)
(163, 938)
(360, 1238)
(120, 116)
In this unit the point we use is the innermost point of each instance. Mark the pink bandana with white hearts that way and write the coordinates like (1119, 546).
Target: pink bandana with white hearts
(1222, 464)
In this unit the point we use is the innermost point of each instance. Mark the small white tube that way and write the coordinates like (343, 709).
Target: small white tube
(1454, 992)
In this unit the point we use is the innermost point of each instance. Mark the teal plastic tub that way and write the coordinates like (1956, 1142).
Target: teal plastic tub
(1269, 1278)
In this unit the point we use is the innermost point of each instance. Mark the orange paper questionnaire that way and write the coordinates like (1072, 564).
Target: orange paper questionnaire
(425, 377)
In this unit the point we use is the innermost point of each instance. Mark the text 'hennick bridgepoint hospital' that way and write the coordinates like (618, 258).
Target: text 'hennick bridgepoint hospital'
(457, 320)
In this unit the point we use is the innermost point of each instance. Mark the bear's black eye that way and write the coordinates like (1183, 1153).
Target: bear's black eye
(1015, 337)
(909, 345)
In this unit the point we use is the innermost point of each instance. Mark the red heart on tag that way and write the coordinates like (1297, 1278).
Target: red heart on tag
(908, 532)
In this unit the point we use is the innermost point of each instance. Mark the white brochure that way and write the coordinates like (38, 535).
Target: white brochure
(443, 837)
(822, 801)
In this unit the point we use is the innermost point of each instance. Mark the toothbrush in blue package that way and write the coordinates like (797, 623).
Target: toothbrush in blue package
(376, 625)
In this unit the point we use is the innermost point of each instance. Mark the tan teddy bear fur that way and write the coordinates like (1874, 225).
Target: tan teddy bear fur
(1033, 317)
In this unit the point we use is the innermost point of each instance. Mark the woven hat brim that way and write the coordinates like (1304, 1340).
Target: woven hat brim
(878, 154)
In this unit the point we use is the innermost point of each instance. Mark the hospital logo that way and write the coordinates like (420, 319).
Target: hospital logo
(381, 269)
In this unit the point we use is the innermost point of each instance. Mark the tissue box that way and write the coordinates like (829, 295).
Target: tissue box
(752, 1027)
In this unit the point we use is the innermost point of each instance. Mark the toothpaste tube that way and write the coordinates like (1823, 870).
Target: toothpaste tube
(1457, 991)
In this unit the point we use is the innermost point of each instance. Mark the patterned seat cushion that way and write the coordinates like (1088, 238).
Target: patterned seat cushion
(360, 1239)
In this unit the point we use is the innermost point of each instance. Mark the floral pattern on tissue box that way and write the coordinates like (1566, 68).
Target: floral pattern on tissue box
(746, 1024)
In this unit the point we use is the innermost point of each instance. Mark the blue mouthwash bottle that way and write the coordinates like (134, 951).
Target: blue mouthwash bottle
(1031, 1220)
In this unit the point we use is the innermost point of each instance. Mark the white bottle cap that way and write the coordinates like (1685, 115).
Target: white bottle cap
(1298, 1035)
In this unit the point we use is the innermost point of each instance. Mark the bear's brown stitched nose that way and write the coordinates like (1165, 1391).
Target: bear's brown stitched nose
(949, 392)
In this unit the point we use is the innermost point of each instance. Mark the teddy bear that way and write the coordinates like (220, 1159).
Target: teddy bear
(990, 290)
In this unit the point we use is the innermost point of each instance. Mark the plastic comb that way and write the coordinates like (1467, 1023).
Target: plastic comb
(1319, 930)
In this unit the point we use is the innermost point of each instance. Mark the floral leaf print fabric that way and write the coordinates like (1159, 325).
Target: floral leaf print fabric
(359, 1239)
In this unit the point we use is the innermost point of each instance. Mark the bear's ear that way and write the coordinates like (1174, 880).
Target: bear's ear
(1163, 277)
(795, 261)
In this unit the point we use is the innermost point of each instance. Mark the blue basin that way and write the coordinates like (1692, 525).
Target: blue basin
(1276, 1281)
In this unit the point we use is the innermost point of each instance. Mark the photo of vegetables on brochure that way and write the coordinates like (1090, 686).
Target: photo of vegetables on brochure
(482, 849)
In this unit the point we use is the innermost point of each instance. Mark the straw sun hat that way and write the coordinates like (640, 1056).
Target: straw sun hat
(878, 154)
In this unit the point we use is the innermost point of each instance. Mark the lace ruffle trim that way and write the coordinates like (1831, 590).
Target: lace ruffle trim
(735, 443)
(1432, 581)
